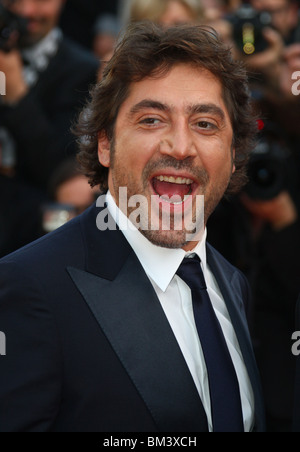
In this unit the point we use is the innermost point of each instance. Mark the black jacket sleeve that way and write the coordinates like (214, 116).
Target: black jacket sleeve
(30, 373)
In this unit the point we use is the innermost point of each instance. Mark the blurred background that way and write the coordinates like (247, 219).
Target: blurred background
(51, 51)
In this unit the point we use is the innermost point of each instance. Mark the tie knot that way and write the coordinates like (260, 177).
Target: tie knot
(191, 273)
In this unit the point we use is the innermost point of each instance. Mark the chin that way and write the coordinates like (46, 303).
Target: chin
(167, 239)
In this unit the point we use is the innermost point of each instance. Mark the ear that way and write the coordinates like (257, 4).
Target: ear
(103, 149)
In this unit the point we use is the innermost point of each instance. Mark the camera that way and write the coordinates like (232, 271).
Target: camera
(55, 215)
(270, 168)
(13, 29)
(248, 25)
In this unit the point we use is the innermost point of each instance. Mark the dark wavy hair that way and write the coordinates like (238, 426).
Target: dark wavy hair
(148, 50)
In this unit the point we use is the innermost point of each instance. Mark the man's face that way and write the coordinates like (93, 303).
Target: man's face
(173, 139)
(42, 16)
(284, 14)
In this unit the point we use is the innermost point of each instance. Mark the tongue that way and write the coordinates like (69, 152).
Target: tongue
(167, 189)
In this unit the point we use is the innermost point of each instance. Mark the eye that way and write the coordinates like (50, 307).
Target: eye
(150, 121)
(205, 125)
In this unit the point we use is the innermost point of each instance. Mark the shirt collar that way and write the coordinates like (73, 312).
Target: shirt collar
(37, 57)
(160, 264)
(45, 47)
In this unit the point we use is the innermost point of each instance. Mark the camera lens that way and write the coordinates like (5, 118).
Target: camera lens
(267, 172)
(263, 175)
(5, 33)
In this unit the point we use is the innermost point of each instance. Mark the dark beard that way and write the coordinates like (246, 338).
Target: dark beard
(172, 239)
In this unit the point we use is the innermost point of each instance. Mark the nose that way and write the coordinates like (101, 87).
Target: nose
(178, 143)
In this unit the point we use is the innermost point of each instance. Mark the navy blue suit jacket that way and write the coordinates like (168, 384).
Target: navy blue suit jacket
(89, 347)
(296, 420)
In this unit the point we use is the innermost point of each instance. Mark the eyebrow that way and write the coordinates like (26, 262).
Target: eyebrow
(190, 109)
(149, 104)
(206, 108)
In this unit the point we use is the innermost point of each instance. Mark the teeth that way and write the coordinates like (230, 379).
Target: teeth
(172, 202)
(175, 180)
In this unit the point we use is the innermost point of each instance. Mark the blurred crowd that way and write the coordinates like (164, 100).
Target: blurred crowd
(52, 51)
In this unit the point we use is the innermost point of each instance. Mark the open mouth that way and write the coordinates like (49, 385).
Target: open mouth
(173, 189)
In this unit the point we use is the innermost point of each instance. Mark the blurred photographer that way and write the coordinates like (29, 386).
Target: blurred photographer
(261, 227)
(284, 17)
(267, 38)
(261, 235)
(47, 80)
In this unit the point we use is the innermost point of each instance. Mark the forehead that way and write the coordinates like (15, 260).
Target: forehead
(182, 86)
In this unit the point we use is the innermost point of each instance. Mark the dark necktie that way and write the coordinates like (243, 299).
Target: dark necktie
(223, 383)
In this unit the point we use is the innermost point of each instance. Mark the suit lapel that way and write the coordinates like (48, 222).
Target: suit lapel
(129, 313)
(229, 284)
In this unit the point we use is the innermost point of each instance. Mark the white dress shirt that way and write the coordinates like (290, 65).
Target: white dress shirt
(161, 265)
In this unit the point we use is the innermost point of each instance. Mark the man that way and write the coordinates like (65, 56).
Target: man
(285, 17)
(276, 286)
(103, 327)
(47, 80)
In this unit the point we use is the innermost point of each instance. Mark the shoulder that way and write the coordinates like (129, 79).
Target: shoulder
(223, 263)
(231, 274)
(45, 254)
